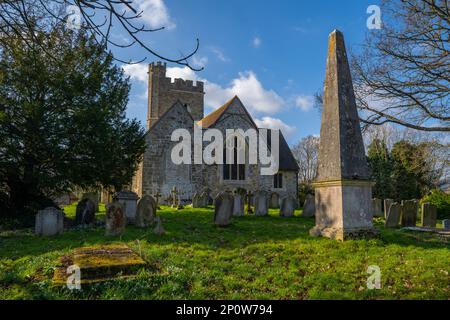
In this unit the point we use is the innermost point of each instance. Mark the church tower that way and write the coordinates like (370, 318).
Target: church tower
(163, 94)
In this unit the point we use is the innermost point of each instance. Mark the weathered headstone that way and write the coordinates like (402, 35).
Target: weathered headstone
(248, 202)
(446, 224)
(238, 205)
(146, 211)
(343, 191)
(309, 207)
(128, 199)
(93, 196)
(49, 222)
(157, 196)
(223, 209)
(408, 215)
(159, 230)
(85, 212)
(429, 215)
(204, 199)
(393, 216)
(387, 205)
(274, 200)
(287, 208)
(116, 220)
(196, 201)
(261, 203)
(376, 208)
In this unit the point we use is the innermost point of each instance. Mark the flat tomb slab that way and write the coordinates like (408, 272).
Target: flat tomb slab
(100, 263)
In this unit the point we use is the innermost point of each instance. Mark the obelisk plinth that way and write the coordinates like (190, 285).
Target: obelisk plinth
(343, 192)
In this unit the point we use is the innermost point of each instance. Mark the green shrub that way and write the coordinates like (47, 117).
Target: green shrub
(441, 200)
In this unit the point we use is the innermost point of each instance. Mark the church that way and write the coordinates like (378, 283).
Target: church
(179, 104)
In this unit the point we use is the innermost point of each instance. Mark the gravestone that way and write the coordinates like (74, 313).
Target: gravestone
(238, 205)
(49, 222)
(146, 211)
(429, 215)
(274, 200)
(343, 190)
(309, 207)
(159, 230)
(446, 224)
(128, 199)
(85, 212)
(287, 206)
(204, 199)
(93, 196)
(248, 202)
(157, 196)
(408, 213)
(115, 219)
(223, 209)
(261, 203)
(196, 201)
(387, 205)
(393, 216)
(376, 208)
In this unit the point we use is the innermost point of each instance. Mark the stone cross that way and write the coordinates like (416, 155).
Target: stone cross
(157, 196)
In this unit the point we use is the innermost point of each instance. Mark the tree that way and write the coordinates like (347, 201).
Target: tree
(62, 121)
(306, 152)
(380, 167)
(402, 75)
(101, 19)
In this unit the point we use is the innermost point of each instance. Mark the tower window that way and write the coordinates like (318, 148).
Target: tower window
(278, 181)
(233, 171)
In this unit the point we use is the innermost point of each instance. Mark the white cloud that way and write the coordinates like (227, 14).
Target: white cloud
(155, 14)
(274, 123)
(219, 54)
(136, 71)
(184, 73)
(199, 62)
(305, 103)
(257, 42)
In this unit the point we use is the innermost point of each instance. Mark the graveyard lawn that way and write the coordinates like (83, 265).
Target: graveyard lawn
(254, 258)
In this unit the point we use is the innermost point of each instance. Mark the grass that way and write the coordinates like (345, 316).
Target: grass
(255, 258)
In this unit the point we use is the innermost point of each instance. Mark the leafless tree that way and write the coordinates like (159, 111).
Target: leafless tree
(306, 153)
(402, 74)
(101, 18)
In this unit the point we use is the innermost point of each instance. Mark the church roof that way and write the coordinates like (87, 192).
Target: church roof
(214, 116)
(287, 160)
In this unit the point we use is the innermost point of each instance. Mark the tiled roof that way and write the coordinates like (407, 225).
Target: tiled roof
(212, 118)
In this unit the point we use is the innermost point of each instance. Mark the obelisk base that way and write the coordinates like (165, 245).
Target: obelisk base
(343, 209)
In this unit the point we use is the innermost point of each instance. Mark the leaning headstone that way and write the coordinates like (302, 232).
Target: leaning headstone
(93, 196)
(49, 222)
(408, 216)
(85, 212)
(393, 216)
(261, 203)
(128, 199)
(343, 190)
(223, 209)
(146, 211)
(274, 200)
(387, 205)
(376, 208)
(159, 230)
(309, 207)
(446, 224)
(429, 215)
(287, 206)
(115, 219)
(238, 205)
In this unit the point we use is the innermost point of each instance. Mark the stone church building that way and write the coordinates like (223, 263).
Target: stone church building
(180, 104)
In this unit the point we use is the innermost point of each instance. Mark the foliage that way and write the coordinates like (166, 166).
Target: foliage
(441, 200)
(306, 152)
(255, 258)
(303, 190)
(63, 120)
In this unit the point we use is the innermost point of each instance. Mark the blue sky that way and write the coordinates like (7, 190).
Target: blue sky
(271, 53)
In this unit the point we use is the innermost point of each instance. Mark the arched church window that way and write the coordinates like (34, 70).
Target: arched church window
(234, 165)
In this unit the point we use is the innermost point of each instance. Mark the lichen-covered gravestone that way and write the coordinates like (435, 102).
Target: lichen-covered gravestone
(146, 211)
(261, 203)
(49, 222)
(115, 219)
(429, 215)
(238, 205)
(309, 207)
(274, 200)
(408, 216)
(128, 199)
(387, 205)
(287, 206)
(393, 216)
(376, 208)
(85, 212)
(223, 209)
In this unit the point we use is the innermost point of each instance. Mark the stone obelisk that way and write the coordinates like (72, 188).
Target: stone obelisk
(343, 192)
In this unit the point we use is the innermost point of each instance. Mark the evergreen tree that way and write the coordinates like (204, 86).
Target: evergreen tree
(380, 169)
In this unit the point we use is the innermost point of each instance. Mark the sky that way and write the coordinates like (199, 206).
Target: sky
(272, 54)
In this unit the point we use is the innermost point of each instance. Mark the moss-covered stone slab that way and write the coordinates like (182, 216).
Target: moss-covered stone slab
(100, 263)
